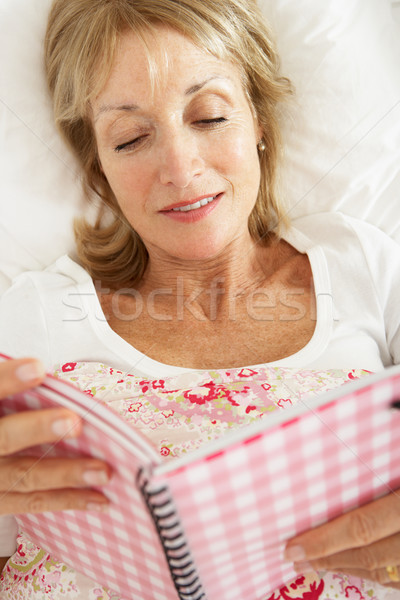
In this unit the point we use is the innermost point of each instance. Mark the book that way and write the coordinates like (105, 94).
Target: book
(213, 524)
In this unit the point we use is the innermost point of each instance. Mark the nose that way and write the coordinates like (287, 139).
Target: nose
(180, 160)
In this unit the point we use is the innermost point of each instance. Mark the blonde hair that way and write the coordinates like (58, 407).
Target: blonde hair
(80, 45)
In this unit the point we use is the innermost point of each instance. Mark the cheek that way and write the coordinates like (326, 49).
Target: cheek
(241, 144)
(239, 159)
(127, 181)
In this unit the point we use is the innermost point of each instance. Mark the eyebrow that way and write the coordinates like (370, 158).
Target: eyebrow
(111, 107)
(132, 107)
(197, 87)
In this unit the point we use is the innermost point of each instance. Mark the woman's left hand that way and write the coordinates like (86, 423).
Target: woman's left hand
(364, 542)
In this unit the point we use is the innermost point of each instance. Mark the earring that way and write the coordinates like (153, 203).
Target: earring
(261, 145)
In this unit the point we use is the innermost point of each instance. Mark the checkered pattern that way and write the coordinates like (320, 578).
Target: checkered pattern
(120, 549)
(237, 506)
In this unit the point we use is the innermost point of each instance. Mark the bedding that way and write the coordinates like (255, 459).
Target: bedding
(342, 130)
(342, 134)
(179, 414)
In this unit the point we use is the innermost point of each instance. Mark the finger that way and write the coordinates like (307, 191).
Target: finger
(30, 428)
(18, 375)
(368, 558)
(28, 474)
(359, 527)
(54, 500)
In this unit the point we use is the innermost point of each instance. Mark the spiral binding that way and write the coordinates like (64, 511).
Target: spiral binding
(176, 550)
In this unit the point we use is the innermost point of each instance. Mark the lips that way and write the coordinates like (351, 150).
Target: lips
(192, 211)
(192, 204)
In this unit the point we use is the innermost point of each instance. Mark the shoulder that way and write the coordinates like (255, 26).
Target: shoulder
(358, 254)
(42, 295)
(62, 273)
(35, 305)
(326, 224)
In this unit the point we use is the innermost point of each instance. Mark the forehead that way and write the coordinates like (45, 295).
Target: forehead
(160, 61)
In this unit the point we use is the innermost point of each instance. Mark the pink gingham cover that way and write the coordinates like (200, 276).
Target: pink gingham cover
(242, 560)
(120, 548)
(237, 507)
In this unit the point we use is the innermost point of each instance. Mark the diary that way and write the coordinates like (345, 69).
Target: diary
(213, 524)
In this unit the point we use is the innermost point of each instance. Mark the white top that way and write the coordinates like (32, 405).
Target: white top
(56, 316)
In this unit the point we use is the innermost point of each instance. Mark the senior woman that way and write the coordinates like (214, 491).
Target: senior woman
(172, 109)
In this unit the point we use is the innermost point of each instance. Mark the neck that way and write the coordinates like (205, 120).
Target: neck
(208, 285)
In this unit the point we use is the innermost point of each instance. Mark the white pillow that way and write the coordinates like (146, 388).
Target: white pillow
(40, 191)
(342, 134)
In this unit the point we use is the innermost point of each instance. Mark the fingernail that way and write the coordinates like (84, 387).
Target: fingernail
(303, 567)
(97, 506)
(95, 477)
(30, 371)
(65, 427)
(295, 553)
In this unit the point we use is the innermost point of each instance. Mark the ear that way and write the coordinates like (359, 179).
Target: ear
(258, 130)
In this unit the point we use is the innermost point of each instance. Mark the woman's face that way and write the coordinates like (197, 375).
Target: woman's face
(187, 142)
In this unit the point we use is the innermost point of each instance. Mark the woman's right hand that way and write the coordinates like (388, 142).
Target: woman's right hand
(29, 484)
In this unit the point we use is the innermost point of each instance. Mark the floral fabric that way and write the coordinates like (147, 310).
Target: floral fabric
(178, 415)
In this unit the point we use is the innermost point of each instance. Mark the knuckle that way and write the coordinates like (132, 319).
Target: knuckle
(23, 479)
(361, 528)
(368, 559)
(380, 576)
(37, 503)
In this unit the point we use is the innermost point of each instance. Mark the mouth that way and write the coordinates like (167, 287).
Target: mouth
(186, 207)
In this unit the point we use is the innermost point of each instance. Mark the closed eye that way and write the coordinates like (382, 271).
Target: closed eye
(212, 122)
(208, 123)
(131, 144)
